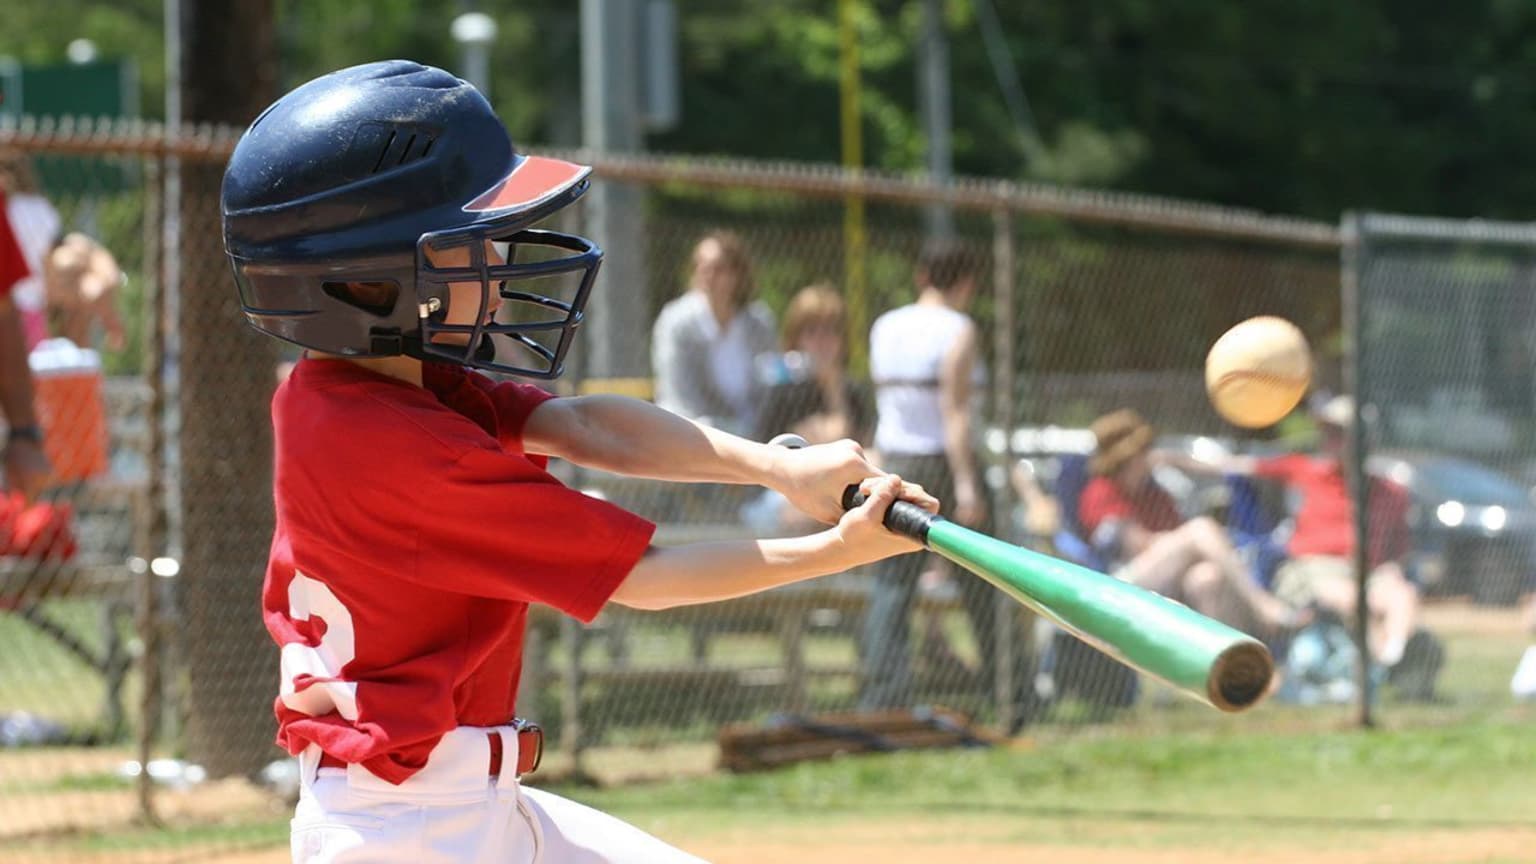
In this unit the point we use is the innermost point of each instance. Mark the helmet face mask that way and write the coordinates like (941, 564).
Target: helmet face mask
(525, 309)
(349, 206)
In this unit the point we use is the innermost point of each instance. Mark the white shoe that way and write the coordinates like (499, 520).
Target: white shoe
(1523, 685)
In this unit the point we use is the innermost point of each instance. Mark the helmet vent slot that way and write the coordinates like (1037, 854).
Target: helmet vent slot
(402, 146)
(384, 154)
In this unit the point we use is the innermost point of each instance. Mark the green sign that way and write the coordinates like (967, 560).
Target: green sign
(95, 90)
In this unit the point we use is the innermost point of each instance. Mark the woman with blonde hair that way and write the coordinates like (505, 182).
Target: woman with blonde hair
(809, 391)
(705, 344)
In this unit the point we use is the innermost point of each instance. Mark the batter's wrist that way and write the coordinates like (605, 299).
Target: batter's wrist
(769, 466)
(30, 432)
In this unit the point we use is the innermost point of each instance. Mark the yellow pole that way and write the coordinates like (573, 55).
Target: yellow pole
(855, 282)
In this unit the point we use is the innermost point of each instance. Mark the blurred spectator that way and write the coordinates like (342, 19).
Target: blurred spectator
(82, 279)
(1135, 526)
(808, 390)
(26, 466)
(1523, 685)
(1320, 569)
(705, 344)
(923, 359)
(36, 225)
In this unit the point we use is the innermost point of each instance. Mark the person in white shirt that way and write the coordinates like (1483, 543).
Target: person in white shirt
(36, 225)
(926, 369)
(705, 343)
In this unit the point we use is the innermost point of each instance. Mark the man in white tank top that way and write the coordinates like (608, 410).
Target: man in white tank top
(926, 370)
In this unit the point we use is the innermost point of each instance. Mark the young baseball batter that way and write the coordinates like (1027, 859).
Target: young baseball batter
(378, 217)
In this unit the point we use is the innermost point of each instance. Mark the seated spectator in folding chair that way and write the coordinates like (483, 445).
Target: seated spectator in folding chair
(1320, 568)
(1136, 529)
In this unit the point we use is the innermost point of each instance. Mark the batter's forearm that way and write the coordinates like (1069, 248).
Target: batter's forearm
(707, 572)
(15, 374)
(627, 436)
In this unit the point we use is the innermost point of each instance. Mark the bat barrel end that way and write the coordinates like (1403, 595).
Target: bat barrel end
(1241, 676)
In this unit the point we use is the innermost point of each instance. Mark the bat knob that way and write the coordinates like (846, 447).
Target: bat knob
(788, 439)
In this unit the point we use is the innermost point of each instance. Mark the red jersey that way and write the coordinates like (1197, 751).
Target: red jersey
(1325, 520)
(412, 534)
(1103, 500)
(13, 265)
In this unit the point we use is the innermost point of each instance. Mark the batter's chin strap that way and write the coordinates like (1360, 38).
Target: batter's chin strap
(390, 343)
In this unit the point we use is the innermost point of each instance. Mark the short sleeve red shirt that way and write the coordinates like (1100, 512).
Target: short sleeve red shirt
(1325, 518)
(13, 266)
(1103, 500)
(412, 534)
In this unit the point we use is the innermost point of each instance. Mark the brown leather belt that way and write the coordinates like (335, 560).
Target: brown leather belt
(530, 749)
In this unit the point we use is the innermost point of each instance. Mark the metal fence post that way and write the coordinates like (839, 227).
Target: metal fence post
(1353, 258)
(1005, 610)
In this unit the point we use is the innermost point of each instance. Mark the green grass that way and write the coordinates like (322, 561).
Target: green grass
(1234, 789)
(1476, 774)
(1183, 789)
(1168, 774)
(263, 834)
(40, 676)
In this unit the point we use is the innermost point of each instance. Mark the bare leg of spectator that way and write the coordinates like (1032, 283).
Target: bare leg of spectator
(1393, 602)
(1167, 564)
(1269, 610)
(1396, 600)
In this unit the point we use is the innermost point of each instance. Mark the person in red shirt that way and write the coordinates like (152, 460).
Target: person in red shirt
(1320, 569)
(1134, 523)
(26, 465)
(416, 520)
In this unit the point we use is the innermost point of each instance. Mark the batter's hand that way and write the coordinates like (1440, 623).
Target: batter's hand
(862, 529)
(813, 478)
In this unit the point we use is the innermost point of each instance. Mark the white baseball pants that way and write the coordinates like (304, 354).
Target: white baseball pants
(453, 811)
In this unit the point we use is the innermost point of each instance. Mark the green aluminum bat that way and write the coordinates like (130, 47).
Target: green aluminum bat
(1199, 656)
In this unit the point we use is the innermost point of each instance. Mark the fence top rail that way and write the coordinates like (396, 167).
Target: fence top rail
(122, 136)
(1038, 199)
(135, 137)
(1393, 226)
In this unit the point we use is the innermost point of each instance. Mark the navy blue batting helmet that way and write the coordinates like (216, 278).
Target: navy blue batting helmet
(341, 199)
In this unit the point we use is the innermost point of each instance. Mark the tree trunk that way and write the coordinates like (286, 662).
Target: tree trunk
(227, 377)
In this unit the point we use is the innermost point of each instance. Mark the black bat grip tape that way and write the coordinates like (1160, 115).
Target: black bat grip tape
(903, 517)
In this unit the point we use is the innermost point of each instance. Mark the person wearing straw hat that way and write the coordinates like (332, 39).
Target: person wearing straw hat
(1134, 524)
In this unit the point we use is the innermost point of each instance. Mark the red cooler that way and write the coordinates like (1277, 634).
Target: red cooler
(70, 409)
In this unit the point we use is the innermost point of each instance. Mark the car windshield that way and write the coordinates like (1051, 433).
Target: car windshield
(1451, 480)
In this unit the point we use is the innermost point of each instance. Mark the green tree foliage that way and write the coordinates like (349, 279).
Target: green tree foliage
(1307, 107)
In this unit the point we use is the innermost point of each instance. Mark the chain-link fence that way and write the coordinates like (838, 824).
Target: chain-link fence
(1447, 329)
(146, 647)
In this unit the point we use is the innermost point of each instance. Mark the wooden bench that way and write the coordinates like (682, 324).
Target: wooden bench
(789, 613)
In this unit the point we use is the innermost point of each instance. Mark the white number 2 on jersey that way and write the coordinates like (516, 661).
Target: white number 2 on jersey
(308, 598)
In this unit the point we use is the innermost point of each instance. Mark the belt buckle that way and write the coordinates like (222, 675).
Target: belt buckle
(522, 726)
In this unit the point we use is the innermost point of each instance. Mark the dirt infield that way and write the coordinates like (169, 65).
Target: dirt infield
(1002, 841)
(1103, 842)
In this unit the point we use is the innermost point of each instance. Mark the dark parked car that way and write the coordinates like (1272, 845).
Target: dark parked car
(1474, 528)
